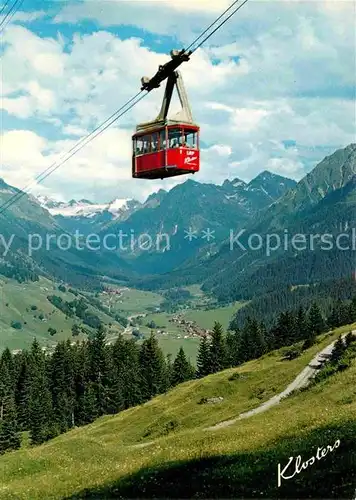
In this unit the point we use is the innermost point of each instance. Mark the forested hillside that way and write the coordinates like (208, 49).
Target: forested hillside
(78, 382)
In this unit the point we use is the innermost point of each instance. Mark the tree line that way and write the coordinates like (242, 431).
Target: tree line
(278, 299)
(254, 339)
(48, 394)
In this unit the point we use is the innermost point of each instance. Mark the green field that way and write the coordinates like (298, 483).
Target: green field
(173, 339)
(171, 345)
(16, 300)
(132, 301)
(206, 319)
(162, 449)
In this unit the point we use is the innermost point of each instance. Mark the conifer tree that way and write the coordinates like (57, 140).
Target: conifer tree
(203, 358)
(316, 323)
(62, 386)
(283, 331)
(232, 348)
(338, 350)
(244, 348)
(152, 368)
(113, 386)
(340, 314)
(182, 369)
(267, 335)
(8, 361)
(81, 380)
(344, 313)
(22, 392)
(256, 341)
(301, 324)
(87, 404)
(126, 360)
(99, 369)
(333, 319)
(40, 403)
(5, 387)
(217, 351)
(9, 434)
(352, 311)
(169, 372)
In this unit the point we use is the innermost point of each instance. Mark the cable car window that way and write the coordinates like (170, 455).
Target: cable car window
(146, 139)
(162, 139)
(174, 137)
(154, 142)
(190, 139)
(138, 146)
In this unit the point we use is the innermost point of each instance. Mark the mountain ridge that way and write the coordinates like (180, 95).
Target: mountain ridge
(231, 273)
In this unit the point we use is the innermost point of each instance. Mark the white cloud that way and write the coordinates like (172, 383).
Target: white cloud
(221, 149)
(22, 156)
(102, 168)
(75, 131)
(285, 166)
(17, 106)
(28, 16)
(279, 71)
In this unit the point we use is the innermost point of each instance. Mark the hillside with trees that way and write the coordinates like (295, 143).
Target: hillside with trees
(50, 394)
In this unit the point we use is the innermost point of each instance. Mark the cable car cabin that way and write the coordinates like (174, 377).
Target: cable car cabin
(166, 152)
(166, 147)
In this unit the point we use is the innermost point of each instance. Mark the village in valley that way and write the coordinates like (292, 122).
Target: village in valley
(189, 327)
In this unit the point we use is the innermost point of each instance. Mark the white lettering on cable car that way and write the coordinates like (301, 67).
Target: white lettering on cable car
(190, 160)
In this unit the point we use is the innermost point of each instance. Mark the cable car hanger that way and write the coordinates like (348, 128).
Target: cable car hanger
(174, 80)
(165, 70)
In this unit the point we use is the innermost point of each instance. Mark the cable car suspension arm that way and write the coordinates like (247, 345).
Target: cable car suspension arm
(168, 69)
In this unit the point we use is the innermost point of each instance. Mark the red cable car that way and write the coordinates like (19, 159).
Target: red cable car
(167, 147)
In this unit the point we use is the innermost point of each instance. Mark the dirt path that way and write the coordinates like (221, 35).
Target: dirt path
(300, 381)
(128, 330)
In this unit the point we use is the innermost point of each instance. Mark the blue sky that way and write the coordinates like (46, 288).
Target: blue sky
(274, 89)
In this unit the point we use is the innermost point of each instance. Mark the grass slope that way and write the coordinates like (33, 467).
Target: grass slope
(132, 301)
(162, 450)
(16, 300)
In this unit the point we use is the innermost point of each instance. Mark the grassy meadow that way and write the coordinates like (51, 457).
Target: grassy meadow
(16, 303)
(162, 449)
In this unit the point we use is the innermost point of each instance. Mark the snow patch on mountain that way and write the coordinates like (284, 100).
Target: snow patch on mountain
(85, 208)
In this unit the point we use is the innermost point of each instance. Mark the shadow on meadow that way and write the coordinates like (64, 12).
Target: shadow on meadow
(250, 475)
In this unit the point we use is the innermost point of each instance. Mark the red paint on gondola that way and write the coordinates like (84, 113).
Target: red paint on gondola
(161, 159)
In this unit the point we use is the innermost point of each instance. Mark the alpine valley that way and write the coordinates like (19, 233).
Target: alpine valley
(111, 351)
(324, 202)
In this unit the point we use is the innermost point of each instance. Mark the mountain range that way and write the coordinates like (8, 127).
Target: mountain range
(86, 215)
(324, 201)
(322, 204)
(29, 237)
(188, 205)
(246, 197)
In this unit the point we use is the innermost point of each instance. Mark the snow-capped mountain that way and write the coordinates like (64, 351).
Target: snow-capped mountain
(86, 208)
(86, 216)
(236, 199)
